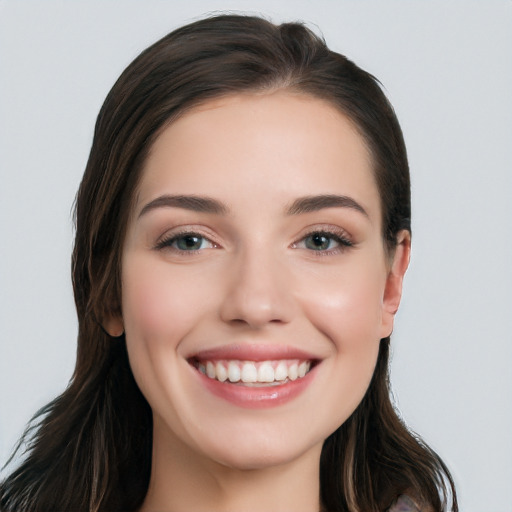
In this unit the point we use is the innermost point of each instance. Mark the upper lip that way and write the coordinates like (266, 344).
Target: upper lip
(253, 352)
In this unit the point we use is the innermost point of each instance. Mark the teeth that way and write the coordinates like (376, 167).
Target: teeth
(222, 373)
(210, 370)
(293, 371)
(265, 372)
(249, 372)
(281, 371)
(233, 372)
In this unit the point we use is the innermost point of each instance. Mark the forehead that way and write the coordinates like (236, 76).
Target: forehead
(283, 143)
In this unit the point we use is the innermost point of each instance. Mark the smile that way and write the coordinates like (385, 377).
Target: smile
(254, 373)
(255, 376)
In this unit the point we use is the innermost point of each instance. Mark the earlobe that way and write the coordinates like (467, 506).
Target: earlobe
(394, 281)
(114, 326)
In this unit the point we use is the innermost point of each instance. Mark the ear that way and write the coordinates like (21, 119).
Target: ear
(394, 281)
(113, 325)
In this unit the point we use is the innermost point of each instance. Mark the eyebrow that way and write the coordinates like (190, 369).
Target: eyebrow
(194, 203)
(310, 204)
(205, 204)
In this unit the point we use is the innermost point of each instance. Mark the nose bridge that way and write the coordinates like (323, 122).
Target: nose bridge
(257, 294)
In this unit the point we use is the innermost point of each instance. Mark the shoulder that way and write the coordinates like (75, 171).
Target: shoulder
(404, 504)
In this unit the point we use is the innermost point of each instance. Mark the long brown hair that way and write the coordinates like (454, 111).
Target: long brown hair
(90, 449)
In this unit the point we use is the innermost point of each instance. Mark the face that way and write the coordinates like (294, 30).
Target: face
(256, 287)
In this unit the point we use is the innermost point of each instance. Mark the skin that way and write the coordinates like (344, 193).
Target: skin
(257, 279)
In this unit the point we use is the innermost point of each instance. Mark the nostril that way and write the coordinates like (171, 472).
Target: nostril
(256, 296)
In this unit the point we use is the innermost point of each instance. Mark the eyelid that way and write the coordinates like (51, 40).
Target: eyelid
(336, 232)
(163, 241)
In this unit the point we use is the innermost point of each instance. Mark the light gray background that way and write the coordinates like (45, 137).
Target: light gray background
(447, 68)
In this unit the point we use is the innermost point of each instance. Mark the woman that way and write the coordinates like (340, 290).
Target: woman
(242, 232)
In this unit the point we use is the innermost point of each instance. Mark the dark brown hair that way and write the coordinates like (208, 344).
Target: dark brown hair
(90, 449)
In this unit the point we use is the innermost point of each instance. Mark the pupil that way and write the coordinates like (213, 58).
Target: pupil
(319, 241)
(189, 242)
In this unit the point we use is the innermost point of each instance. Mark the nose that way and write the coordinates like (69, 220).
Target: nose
(260, 292)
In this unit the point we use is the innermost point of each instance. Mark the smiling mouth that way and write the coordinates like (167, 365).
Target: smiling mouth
(252, 373)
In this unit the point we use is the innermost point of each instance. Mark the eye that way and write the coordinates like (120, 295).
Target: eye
(324, 242)
(186, 242)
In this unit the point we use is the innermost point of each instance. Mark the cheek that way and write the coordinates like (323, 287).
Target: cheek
(347, 307)
(347, 310)
(158, 310)
(156, 304)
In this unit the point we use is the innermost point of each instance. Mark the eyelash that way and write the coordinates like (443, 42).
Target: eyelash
(168, 241)
(335, 235)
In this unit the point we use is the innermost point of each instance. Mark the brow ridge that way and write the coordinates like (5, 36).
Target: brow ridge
(194, 203)
(315, 203)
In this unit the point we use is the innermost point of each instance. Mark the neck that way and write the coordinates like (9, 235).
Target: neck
(182, 480)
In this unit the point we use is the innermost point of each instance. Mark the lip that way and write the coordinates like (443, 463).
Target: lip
(252, 352)
(255, 397)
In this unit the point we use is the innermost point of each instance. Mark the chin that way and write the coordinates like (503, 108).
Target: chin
(257, 461)
(260, 452)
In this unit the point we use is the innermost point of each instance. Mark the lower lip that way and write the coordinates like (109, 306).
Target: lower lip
(257, 397)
